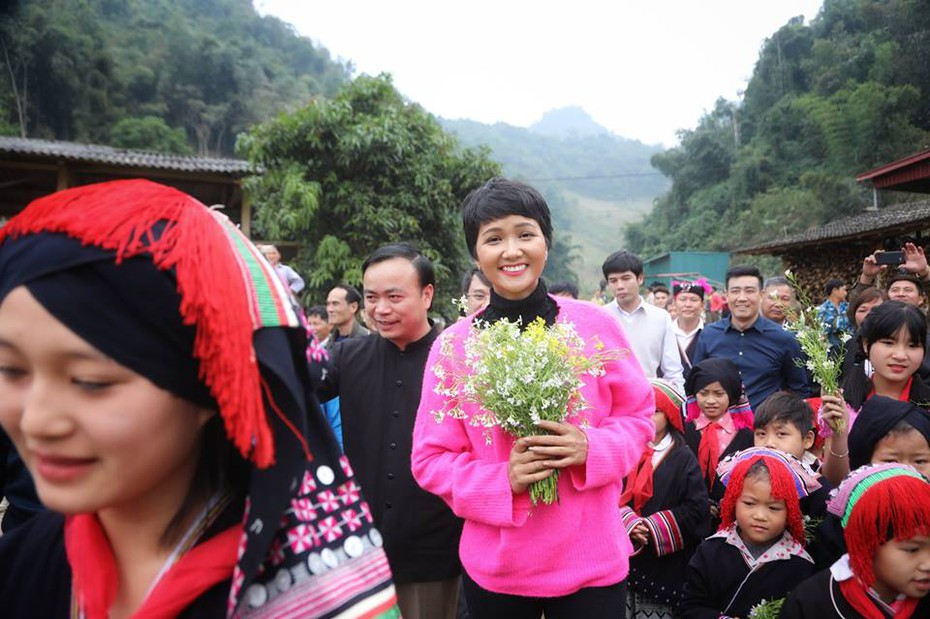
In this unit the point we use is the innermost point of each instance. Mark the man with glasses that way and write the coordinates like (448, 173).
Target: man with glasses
(763, 351)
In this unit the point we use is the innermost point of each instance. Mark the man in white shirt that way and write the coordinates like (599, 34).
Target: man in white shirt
(648, 328)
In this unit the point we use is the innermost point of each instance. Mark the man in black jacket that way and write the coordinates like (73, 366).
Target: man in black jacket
(378, 379)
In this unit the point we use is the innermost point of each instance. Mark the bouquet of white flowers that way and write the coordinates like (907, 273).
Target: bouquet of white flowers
(825, 366)
(519, 378)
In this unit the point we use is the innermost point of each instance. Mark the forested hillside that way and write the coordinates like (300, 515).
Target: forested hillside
(827, 100)
(595, 182)
(172, 75)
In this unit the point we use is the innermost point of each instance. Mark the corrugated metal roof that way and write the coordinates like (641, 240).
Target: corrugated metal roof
(97, 153)
(868, 224)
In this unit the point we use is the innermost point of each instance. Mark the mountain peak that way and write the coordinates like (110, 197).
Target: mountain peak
(571, 121)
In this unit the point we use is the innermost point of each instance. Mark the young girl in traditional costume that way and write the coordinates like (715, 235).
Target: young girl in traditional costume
(757, 554)
(153, 378)
(567, 559)
(886, 573)
(719, 419)
(664, 508)
(892, 340)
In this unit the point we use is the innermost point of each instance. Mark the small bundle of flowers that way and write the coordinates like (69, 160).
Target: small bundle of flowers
(767, 609)
(518, 378)
(824, 364)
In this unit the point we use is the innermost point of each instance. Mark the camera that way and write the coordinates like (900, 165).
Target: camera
(889, 257)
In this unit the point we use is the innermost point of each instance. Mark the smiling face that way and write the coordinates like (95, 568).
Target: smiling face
(94, 434)
(743, 298)
(395, 302)
(894, 359)
(906, 291)
(713, 400)
(341, 312)
(760, 517)
(319, 327)
(688, 305)
(512, 253)
(902, 566)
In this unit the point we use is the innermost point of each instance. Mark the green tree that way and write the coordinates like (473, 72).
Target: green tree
(149, 133)
(347, 174)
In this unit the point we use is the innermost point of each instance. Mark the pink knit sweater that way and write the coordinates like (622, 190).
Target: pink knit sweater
(507, 545)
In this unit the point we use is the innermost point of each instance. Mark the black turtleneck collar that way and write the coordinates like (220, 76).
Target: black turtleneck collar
(537, 304)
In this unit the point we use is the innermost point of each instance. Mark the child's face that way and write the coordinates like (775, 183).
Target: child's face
(902, 566)
(761, 518)
(94, 434)
(783, 436)
(908, 447)
(713, 400)
(661, 424)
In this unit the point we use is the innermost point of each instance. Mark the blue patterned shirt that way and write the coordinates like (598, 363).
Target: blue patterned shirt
(835, 321)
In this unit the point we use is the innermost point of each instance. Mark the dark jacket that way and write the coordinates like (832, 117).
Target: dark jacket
(820, 597)
(379, 388)
(721, 583)
(678, 504)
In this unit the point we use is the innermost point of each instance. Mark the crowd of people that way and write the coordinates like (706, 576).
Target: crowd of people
(181, 438)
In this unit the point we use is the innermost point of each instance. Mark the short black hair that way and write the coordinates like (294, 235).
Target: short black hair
(425, 271)
(661, 288)
(319, 311)
(743, 271)
(621, 262)
(499, 198)
(785, 407)
(564, 287)
(832, 284)
(466, 280)
(352, 293)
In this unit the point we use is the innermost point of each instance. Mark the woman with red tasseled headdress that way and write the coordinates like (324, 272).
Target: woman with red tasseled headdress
(758, 552)
(664, 507)
(153, 379)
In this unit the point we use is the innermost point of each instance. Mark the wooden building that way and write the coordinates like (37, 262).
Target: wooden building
(837, 249)
(33, 168)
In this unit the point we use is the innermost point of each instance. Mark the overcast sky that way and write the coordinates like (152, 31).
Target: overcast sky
(643, 70)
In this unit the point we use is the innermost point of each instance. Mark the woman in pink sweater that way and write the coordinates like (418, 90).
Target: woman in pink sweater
(567, 559)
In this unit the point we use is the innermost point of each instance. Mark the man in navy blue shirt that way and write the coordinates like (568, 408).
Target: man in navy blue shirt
(764, 352)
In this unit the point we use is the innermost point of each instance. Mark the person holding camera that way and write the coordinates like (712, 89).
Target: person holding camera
(910, 274)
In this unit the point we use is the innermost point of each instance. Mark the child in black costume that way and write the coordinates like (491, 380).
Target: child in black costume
(664, 507)
(757, 554)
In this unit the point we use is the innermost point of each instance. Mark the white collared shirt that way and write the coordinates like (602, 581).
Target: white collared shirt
(651, 334)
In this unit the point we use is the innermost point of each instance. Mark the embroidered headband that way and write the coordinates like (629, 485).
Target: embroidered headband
(804, 478)
(876, 503)
(700, 287)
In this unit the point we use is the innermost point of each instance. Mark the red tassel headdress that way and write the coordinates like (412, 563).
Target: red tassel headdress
(227, 289)
(877, 503)
(784, 487)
